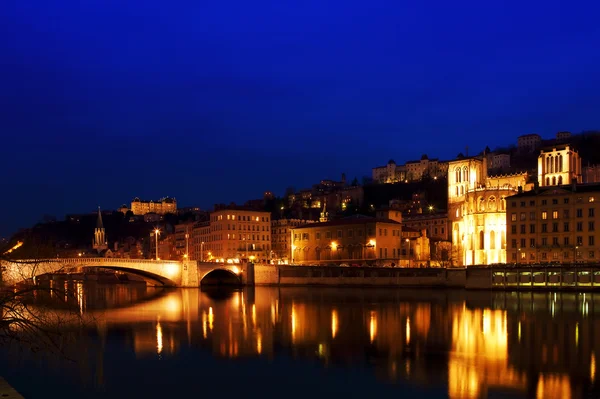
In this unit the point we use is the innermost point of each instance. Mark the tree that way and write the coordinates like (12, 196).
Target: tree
(25, 322)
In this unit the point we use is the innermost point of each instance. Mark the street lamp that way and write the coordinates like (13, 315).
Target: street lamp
(408, 253)
(202, 251)
(518, 256)
(187, 246)
(156, 234)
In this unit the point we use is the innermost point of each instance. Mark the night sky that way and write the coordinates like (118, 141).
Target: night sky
(218, 101)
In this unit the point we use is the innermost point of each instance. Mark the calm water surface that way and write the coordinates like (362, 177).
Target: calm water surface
(320, 342)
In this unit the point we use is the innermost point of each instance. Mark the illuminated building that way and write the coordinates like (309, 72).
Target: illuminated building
(436, 224)
(162, 206)
(354, 240)
(199, 241)
(554, 224)
(239, 233)
(411, 171)
(99, 243)
(281, 241)
(477, 210)
(183, 241)
(558, 165)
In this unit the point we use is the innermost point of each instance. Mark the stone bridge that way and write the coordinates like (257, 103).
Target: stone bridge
(167, 272)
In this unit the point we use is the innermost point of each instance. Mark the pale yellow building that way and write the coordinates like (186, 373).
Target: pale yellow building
(237, 233)
(353, 240)
(200, 237)
(281, 241)
(162, 206)
(554, 225)
(558, 165)
(477, 211)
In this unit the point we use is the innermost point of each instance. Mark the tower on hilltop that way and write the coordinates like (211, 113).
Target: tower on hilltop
(99, 242)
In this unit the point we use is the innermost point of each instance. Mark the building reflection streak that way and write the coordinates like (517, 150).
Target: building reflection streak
(293, 317)
(258, 342)
(80, 296)
(373, 325)
(479, 354)
(159, 337)
(487, 348)
(334, 323)
(204, 325)
(552, 386)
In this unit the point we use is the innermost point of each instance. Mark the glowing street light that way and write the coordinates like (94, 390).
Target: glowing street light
(156, 234)
(408, 254)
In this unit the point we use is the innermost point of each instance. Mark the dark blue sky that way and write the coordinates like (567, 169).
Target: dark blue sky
(104, 100)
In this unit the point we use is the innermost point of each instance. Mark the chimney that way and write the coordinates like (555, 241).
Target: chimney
(574, 184)
(536, 186)
(520, 189)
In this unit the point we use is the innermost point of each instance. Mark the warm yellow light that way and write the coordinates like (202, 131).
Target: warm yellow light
(79, 254)
(17, 245)
(333, 245)
(372, 242)
(259, 342)
(293, 317)
(593, 368)
(156, 231)
(235, 269)
(159, 338)
(253, 315)
(185, 256)
(407, 331)
(211, 318)
(373, 326)
(334, 323)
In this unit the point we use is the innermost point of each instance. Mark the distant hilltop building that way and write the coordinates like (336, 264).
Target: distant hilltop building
(411, 171)
(529, 142)
(162, 206)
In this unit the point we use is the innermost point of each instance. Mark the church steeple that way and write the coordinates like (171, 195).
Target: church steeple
(99, 224)
(99, 243)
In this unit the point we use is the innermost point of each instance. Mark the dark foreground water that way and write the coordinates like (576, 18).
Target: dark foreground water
(319, 342)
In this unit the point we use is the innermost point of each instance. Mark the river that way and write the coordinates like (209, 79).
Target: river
(318, 342)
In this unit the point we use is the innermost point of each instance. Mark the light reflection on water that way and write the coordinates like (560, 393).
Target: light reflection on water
(469, 344)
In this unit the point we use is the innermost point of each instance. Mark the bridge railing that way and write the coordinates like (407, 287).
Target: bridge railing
(94, 261)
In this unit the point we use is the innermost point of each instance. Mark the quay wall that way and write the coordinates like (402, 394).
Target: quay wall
(486, 278)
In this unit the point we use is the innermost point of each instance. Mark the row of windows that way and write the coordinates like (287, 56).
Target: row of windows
(555, 255)
(220, 237)
(241, 227)
(566, 214)
(566, 241)
(339, 234)
(554, 201)
(243, 218)
(591, 226)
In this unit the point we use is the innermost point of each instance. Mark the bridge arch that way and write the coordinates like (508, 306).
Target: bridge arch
(142, 273)
(221, 276)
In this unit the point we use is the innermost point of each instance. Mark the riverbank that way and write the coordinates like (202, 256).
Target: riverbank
(496, 278)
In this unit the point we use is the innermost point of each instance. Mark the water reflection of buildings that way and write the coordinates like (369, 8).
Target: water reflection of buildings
(528, 344)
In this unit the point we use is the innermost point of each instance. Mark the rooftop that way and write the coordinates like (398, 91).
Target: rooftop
(351, 220)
